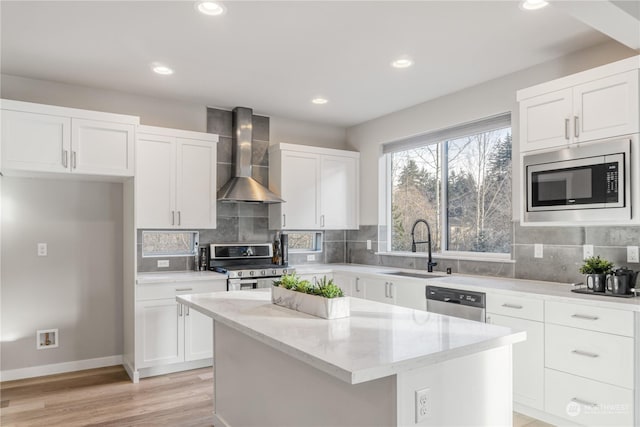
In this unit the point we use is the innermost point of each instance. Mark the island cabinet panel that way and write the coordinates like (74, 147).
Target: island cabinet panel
(40, 138)
(595, 104)
(319, 186)
(175, 179)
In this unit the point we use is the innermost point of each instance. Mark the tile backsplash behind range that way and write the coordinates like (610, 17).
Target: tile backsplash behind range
(241, 222)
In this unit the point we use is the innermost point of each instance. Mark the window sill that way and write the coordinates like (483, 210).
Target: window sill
(462, 257)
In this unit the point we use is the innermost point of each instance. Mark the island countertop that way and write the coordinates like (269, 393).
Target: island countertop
(376, 341)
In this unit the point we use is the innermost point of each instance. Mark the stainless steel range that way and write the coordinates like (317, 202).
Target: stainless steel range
(247, 265)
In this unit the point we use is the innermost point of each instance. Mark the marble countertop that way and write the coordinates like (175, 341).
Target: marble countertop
(178, 276)
(377, 341)
(530, 288)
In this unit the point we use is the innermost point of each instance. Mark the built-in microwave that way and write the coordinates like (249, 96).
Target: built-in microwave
(582, 183)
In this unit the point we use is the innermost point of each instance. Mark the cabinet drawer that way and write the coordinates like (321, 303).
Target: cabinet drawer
(149, 291)
(586, 401)
(599, 319)
(514, 306)
(603, 357)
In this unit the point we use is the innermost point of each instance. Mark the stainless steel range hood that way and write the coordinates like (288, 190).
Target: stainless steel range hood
(242, 188)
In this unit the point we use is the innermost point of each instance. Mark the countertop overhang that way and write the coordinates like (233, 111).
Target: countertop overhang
(377, 341)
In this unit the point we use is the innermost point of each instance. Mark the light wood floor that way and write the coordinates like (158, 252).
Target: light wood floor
(106, 397)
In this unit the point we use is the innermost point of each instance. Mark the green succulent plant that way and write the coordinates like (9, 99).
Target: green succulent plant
(596, 265)
(324, 288)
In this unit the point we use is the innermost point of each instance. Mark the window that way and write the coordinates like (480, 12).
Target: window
(305, 241)
(169, 243)
(459, 180)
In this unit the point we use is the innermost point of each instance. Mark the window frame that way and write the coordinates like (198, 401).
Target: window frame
(318, 241)
(194, 249)
(438, 137)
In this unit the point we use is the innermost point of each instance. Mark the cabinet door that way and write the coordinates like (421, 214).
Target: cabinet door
(344, 282)
(198, 335)
(358, 289)
(410, 294)
(155, 181)
(101, 148)
(338, 192)
(606, 107)
(545, 120)
(196, 184)
(35, 142)
(528, 360)
(300, 190)
(160, 334)
(378, 290)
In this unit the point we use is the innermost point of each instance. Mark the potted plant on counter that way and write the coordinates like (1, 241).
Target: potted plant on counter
(324, 299)
(596, 269)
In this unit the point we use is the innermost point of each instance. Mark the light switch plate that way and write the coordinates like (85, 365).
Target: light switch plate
(587, 251)
(42, 249)
(632, 254)
(368, 245)
(163, 263)
(311, 257)
(537, 250)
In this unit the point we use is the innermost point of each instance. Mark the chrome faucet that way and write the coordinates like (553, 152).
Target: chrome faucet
(430, 263)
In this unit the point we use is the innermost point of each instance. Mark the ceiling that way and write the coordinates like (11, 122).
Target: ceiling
(275, 56)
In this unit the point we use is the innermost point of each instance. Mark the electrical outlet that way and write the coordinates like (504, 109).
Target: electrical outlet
(163, 263)
(587, 251)
(311, 257)
(42, 249)
(423, 404)
(632, 254)
(537, 250)
(368, 245)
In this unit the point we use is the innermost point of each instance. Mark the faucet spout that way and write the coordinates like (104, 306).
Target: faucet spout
(430, 263)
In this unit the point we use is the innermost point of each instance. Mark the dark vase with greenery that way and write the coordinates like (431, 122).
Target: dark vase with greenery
(596, 269)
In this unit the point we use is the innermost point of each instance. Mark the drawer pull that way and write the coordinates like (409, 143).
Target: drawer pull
(183, 289)
(584, 353)
(584, 402)
(516, 306)
(584, 317)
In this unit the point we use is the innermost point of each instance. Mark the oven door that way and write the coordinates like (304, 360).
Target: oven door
(241, 284)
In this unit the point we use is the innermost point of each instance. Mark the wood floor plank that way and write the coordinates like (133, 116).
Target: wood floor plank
(106, 397)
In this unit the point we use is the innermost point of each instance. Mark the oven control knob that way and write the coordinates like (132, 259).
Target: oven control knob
(239, 273)
(284, 271)
(264, 273)
(251, 273)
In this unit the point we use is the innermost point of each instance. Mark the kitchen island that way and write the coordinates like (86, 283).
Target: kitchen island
(382, 366)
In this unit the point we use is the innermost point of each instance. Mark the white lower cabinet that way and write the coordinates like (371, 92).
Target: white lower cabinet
(314, 279)
(345, 282)
(168, 332)
(528, 360)
(587, 402)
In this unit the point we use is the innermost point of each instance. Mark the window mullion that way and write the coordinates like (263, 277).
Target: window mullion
(444, 199)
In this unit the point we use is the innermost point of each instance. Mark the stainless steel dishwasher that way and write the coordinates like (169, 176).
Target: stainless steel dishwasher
(453, 302)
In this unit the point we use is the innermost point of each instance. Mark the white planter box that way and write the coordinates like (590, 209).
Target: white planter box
(327, 308)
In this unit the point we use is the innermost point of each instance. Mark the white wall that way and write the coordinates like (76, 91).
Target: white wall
(158, 112)
(77, 288)
(484, 100)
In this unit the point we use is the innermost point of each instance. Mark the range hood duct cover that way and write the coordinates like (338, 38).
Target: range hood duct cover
(242, 188)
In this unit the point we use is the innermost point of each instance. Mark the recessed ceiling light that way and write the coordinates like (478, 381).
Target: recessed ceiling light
(210, 8)
(402, 63)
(533, 4)
(161, 69)
(319, 100)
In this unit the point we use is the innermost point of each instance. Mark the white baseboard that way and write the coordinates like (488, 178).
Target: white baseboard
(59, 368)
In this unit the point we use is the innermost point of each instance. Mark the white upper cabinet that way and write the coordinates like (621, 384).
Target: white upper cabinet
(175, 178)
(319, 186)
(43, 138)
(595, 104)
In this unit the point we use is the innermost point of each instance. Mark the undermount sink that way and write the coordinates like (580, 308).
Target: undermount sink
(416, 275)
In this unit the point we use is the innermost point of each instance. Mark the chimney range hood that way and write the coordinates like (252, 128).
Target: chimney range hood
(242, 188)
